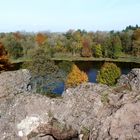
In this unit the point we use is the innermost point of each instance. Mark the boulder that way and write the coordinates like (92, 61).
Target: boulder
(14, 82)
(131, 80)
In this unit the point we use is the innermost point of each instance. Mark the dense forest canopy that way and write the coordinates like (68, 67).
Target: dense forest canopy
(113, 44)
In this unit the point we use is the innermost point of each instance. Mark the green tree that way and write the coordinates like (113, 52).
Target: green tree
(108, 74)
(107, 48)
(13, 47)
(126, 38)
(98, 51)
(136, 43)
(45, 74)
(117, 46)
(66, 66)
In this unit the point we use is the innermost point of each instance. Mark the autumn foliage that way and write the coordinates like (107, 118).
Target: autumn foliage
(40, 38)
(76, 77)
(17, 36)
(4, 63)
(86, 50)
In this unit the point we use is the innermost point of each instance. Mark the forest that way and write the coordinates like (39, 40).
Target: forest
(39, 53)
(74, 44)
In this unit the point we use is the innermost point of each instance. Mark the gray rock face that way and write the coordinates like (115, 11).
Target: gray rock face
(14, 82)
(132, 80)
(89, 111)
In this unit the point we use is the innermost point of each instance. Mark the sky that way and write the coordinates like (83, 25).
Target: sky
(62, 15)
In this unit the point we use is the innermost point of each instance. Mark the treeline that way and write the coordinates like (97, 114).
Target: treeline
(74, 43)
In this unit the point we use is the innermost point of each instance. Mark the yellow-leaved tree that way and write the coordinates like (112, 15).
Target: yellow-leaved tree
(76, 77)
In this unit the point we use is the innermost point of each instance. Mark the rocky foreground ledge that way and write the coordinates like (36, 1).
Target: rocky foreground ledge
(90, 111)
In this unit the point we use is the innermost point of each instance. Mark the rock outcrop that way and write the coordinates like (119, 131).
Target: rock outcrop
(132, 80)
(14, 82)
(89, 111)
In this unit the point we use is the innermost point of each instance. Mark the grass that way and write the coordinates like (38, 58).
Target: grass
(86, 133)
(20, 60)
(104, 98)
(79, 58)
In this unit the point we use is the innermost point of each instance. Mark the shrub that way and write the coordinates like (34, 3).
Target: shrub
(45, 73)
(104, 98)
(108, 74)
(76, 77)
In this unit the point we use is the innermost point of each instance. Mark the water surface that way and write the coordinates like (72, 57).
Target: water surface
(92, 68)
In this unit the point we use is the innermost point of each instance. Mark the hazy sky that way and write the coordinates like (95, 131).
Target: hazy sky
(61, 15)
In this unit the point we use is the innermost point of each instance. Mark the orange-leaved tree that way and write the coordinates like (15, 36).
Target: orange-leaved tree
(17, 35)
(40, 38)
(76, 77)
(4, 62)
(86, 50)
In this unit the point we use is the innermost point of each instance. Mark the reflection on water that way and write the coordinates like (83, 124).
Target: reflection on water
(59, 89)
(92, 68)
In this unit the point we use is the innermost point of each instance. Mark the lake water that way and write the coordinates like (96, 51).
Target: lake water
(92, 68)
